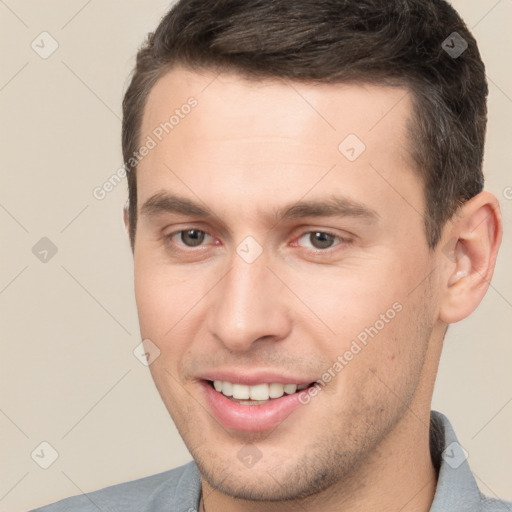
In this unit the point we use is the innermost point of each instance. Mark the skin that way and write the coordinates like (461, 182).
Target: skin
(247, 150)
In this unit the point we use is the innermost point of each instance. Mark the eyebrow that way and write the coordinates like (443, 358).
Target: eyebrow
(333, 206)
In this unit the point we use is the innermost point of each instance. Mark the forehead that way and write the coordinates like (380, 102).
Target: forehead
(219, 134)
(273, 106)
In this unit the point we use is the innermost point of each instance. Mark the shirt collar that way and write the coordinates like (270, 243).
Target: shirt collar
(456, 486)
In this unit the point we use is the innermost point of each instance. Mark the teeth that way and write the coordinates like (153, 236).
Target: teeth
(240, 391)
(276, 390)
(227, 388)
(259, 392)
(256, 393)
(290, 388)
(252, 402)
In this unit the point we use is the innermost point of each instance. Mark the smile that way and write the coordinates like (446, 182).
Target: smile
(256, 407)
(257, 394)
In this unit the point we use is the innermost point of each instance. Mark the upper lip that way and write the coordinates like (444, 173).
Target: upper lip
(253, 377)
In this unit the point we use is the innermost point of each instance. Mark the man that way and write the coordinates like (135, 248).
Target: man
(307, 217)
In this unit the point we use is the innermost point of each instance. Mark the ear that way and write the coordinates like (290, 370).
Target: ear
(474, 237)
(126, 219)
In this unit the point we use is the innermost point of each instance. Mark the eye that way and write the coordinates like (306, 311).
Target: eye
(190, 237)
(319, 240)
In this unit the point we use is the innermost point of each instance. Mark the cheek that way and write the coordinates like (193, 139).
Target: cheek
(172, 311)
(163, 296)
(380, 380)
(367, 323)
(350, 301)
(393, 358)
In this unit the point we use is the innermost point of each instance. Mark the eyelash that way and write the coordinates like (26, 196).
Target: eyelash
(341, 240)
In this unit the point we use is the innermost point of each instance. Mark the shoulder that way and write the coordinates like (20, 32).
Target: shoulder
(178, 487)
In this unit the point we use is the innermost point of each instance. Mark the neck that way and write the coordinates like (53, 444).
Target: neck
(400, 476)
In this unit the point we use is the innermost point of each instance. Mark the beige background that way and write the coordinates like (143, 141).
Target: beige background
(69, 326)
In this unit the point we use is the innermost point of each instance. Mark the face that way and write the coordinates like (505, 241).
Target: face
(274, 249)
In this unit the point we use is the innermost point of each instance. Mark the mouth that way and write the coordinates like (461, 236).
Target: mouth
(258, 394)
(257, 407)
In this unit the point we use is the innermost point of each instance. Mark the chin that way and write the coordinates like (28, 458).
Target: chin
(278, 479)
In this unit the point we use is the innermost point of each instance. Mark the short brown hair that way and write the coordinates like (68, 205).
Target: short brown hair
(393, 42)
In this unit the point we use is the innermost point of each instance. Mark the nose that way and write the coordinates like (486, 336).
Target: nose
(248, 306)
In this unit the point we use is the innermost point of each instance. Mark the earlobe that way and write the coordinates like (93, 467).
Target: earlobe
(475, 235)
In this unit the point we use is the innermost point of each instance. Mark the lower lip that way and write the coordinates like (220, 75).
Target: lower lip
(250, 418)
